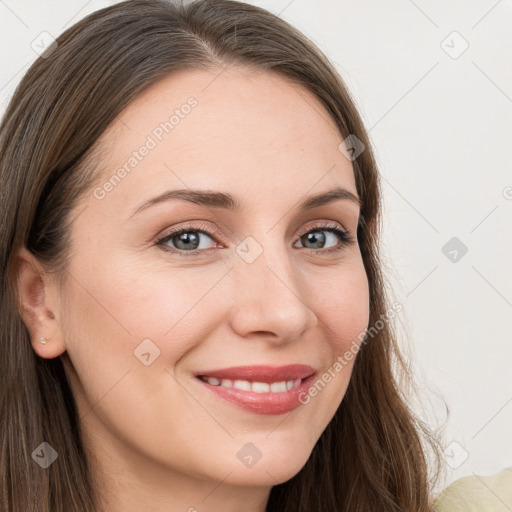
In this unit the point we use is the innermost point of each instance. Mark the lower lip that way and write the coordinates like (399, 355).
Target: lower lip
(262, 403)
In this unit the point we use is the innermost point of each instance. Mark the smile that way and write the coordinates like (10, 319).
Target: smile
(263, 390)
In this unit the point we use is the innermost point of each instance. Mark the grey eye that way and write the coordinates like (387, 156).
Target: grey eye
(187, 240)
(318, 238)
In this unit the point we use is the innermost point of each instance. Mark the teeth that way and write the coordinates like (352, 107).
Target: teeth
(257, 387)
(278, 387)
(242, 384)
(260, 387)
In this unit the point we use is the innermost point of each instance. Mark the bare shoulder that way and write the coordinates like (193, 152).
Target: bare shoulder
(477, 493)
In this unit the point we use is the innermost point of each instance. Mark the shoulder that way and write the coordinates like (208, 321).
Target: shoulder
(477, 494)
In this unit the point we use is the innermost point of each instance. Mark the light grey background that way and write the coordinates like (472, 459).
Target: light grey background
(440, 119)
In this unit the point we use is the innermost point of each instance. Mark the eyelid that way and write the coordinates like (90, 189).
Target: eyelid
(201, 227)
(325, 224)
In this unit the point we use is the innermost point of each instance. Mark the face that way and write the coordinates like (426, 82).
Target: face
(271, 286)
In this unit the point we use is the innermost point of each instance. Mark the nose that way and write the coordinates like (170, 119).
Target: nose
(269, 301)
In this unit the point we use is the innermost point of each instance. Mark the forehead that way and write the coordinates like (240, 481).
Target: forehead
(239, 130)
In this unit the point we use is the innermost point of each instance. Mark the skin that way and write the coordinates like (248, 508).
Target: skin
(160, 441)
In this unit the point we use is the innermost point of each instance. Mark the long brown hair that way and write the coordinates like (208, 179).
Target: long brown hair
(374, 454)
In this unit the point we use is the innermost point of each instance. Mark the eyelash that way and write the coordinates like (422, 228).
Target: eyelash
(345, 237)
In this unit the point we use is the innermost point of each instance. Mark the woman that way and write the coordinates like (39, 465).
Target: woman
(194, 315)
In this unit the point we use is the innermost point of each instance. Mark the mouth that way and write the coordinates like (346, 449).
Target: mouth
(260, 389)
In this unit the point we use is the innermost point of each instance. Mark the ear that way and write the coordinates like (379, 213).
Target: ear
(37, 297)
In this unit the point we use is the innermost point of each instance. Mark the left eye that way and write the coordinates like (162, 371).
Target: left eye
(319, 239)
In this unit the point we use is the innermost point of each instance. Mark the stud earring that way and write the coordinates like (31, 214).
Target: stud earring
(43, 339)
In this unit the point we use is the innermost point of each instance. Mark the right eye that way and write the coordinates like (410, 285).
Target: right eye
(186, 240)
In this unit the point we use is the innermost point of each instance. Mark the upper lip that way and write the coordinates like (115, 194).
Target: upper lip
(261, 373)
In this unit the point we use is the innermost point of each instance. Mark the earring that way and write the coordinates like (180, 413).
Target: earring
(43, 339)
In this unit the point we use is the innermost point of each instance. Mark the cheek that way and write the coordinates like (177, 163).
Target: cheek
(158, 300)
(140, 300)
(341, 301)
(116, 308)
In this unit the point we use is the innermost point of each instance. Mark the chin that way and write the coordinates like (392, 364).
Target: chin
(263, 477)
(272, 469)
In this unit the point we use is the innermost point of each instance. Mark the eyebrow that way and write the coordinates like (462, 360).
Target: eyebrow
(229, 202)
